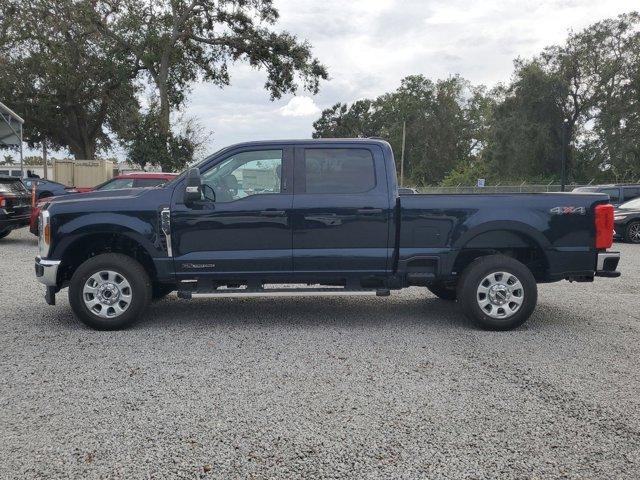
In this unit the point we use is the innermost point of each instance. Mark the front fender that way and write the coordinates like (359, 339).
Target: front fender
(141, 230)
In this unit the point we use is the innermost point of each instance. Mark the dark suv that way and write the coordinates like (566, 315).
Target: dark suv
(15, 205)
(618, 194)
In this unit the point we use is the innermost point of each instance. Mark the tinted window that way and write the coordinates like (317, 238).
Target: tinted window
(245, 174)
(117, 183)
(148, 182)
(11, 186)
(339, 170)
(631, 193)
(614, 193)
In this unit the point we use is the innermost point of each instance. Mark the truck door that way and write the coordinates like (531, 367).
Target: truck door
(341, 209)
(247, 228)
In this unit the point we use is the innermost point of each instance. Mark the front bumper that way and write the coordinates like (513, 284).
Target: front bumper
(607, 263)
(47, 271)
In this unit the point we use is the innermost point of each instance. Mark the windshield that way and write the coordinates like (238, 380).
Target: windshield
(631, 205)
(11, 186)
(116, 184)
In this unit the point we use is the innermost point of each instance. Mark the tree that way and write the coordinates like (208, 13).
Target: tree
(524, 139)
(179, 41)
(444, 124)
(591, 81)
(147, 145)
(70, 83)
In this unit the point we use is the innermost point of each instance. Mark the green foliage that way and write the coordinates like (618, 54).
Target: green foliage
(74, 68)
(67, 81)
(147, 145)
(457, 133)
(444, 124)
(178, 42)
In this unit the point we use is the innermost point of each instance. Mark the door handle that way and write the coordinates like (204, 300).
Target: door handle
(270, 212)
(369, 210)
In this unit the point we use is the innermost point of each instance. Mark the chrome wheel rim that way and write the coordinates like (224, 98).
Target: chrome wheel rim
(107, 294)
(634, 233)
(500, 295)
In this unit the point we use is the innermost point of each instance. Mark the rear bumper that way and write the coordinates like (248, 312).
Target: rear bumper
(607, 264)
(9, 221)
(47, 271)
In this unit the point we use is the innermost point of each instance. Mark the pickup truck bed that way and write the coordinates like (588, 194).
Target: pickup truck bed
(322, 214)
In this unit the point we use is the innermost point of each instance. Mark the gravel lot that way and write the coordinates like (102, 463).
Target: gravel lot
(358, 387)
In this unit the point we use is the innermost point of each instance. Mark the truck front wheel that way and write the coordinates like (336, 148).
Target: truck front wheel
(497, 292)
(109, 291)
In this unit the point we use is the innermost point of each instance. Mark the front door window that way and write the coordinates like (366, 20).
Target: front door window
(245, 174)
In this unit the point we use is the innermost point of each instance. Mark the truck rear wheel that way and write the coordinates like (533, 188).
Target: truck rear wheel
(109, 291)
(497, 292)
(443, 292)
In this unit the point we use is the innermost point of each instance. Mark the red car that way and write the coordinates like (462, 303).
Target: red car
(126, 180)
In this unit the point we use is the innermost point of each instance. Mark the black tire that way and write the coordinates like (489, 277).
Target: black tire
(127, 268)
(632, 232)
(4, 233)
(470, 299)
(443, 292)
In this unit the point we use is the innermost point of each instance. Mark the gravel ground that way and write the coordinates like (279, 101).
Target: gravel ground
(357, 387)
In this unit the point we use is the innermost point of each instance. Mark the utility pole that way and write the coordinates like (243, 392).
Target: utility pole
(563, 157)
(404, 137)
(44, 159)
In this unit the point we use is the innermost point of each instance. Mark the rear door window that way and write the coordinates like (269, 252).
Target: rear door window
(339, 170)
(631, 192)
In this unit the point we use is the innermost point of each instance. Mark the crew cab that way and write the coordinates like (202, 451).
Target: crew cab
(316, 217)
(15, 205)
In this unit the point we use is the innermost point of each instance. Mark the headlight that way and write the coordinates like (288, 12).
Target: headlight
(44, 233)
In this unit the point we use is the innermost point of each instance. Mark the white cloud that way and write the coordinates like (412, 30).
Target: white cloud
(300, 107)
(369, 46)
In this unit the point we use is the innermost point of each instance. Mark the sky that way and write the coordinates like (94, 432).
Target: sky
(368, 46)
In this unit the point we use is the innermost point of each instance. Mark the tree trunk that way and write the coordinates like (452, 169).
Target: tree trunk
(164, 124)
(83, 151)
(44, 160)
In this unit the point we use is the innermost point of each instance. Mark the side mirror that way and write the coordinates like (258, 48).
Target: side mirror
(193, 189)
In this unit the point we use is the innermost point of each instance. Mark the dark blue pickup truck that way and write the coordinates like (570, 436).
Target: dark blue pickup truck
(315, 217)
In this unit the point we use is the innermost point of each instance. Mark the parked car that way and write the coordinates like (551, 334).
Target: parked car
(15, 205)
(618, 194)
(335, 225)
(127, 180)
(47, 188)
(136, 180)
(627, 221)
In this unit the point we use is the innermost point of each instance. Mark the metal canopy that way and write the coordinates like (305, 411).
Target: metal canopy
(11, 129)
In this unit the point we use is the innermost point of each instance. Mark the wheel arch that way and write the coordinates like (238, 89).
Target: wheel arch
(514, 239)
(85, 245)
